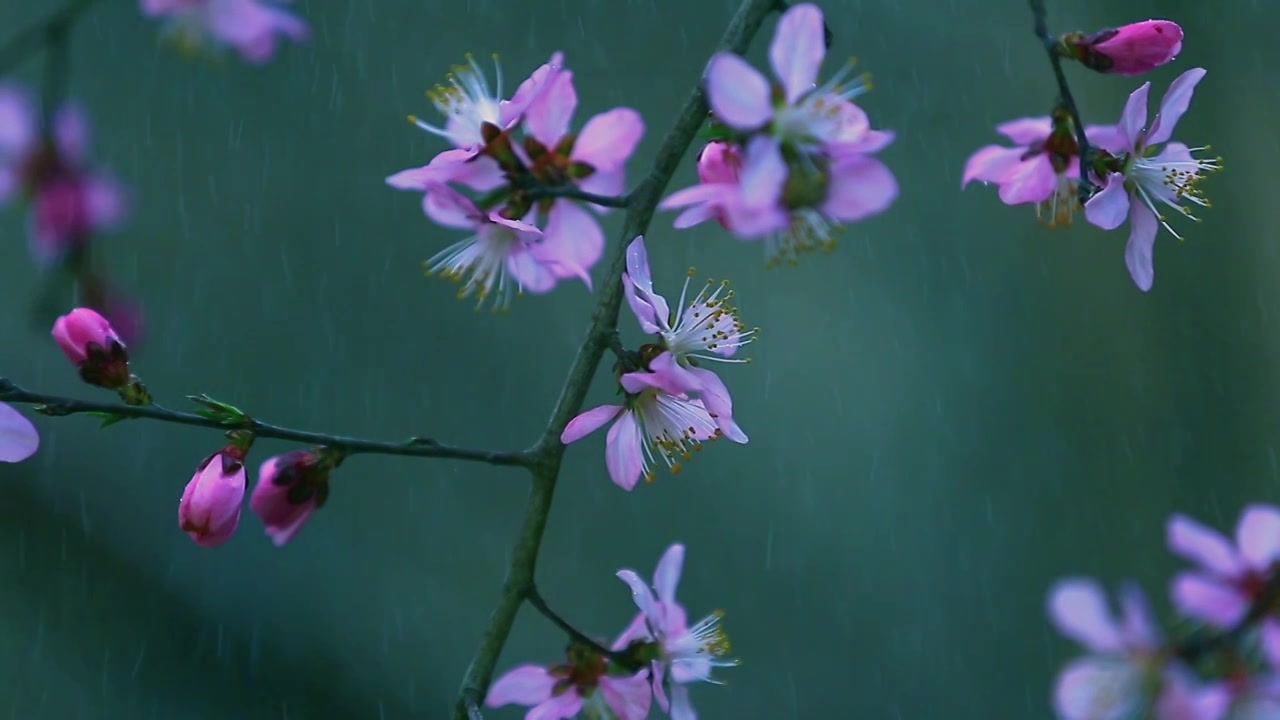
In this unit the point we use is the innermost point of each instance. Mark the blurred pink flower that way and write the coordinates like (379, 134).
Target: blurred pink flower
(797, 110)
(68, 201)
(656, 419)
(290, 487)
(582, 684)
(209, 511)
(686, 654)
(1131, 49)
(18, 437)
(1043, 167)
(1230, 578)
(706, 329)
(251, 27)
(593, 160)
(502, 258)
(468, 103)
(1138, 182)
(1125, 669)
(94, 347)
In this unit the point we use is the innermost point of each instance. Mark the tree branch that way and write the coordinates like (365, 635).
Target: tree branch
(535, 599)
(548, 453)
(32, 38)
(416, 447)
(572, 193)
(1041, 28)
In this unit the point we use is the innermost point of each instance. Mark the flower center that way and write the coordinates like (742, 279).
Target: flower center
(808, 231)
(709, 327)
(480, 264)
(467, 102)
(675, 427)
(1169, 179)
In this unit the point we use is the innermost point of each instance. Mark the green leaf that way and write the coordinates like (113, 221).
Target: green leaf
(217, 411)
(108, 418)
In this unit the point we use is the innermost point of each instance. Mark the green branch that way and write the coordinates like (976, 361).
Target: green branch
(54, 405)
(548, 453)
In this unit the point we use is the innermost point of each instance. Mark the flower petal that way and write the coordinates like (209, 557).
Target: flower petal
(1110, 207)
(17, 121)
(1134, 117)
(1138, 252)
(1174, 104)
(681, 706)
(559, 707)
(642, 596)
(588, 422)
(1271, 644)
(608, 139)
(548, 116)
(1183, 697)
(990, 164)
(450, 208)
(1206, 599)
(637, 629)
(573, 241)
(1078, 607)
(1206, 546)
(523, 685)
(859, 187)
(1032, 181)
(1258, 536)
(1106, 137)
(18, 437)
(667, 575)
(1096, 688)
(624, 451)
(1027, 131)
(640, 274)
(715, 396)
(71, 132)
(797, 49)
(1137, 627)
(737, 92)
(628, 697)
(639, 307)
(534, 275)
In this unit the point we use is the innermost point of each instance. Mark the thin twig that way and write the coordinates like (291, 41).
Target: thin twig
(548, 453)
(416, 447)
(569, 192)
(32, 38)
(534, 598)
(1065, 97)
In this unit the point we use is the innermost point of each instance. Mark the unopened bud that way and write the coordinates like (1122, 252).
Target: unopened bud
(1131, 49)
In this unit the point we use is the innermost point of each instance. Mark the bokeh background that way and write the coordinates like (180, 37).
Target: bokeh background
(953, 410)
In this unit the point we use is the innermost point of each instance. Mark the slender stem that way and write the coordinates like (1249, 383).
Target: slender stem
(1065, 97)
(472, 705)
(416, 447)
(572, 193)
(536, 600)
(549, 451)
(34, 37)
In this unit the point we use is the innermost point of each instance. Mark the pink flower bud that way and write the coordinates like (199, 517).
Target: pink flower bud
(719, 162)
(1128, 50)
(210, 507)
(93, 346)
(289, 488)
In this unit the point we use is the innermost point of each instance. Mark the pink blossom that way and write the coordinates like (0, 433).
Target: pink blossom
(501, 258)
(582, 684)
(657, 418)
(686, 654)
(18, 437)
(478, 172)
(468, 103)
(209, 511)
(707, 329)
(594, 160)
(1131, 49)
(1138, 182)
(251, 27)
(1043, 167)
(720, 163)
(796, 109)
(793, 208)
(290, 487)
(1229, 577)
(94, 347)
(1125, 662)
(69, 202)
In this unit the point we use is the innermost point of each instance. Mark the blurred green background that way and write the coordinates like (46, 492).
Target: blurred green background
(953, 410)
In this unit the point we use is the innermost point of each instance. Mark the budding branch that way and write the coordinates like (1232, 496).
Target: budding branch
(1065, 97)
(54, 405)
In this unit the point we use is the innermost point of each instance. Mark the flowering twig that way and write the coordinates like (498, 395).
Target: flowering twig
(548, 453)
(572, 193)
(43, 32)
(1065, 97)
(418, 447)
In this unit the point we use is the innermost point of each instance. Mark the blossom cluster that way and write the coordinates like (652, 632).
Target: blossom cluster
(1141, 172)
(656, 658)
(1226, 668)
